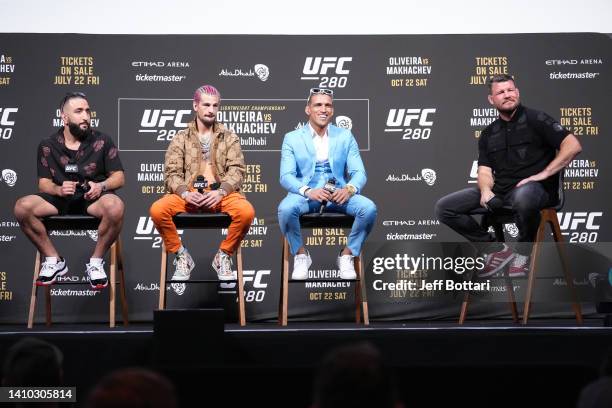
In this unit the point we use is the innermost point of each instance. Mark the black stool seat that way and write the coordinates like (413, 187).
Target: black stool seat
(68, 222)
(202, 220)
(326, 220)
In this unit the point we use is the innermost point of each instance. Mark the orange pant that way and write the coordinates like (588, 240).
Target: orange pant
(234, 204)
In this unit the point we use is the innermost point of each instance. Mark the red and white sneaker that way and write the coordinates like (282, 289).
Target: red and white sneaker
(519, 266)
(495, 262)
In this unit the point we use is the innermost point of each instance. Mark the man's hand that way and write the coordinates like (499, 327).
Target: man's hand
(543, 175)
(340, 196)
(212, 199)
(485, 196)
(319, 194)
(95, 190)
(194, 199)
(67, 188)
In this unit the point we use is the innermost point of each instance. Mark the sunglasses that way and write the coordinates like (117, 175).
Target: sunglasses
(315, 91)
(69, 96)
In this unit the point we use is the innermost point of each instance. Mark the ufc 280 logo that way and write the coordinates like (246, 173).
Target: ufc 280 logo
(415, 123)
(254, 285)
(329, 72)
(164, 122)
(7, 121)
(581, 227)
(145, 230)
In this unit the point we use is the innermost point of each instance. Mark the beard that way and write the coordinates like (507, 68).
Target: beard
(79, 133)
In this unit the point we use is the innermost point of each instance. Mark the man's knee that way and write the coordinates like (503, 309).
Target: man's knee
(287, 208)
(158, 211)
(441, 209)
(24, 208)
(112, 208)
(525, 199)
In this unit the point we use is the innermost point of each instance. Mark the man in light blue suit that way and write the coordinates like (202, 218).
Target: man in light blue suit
(310, 157)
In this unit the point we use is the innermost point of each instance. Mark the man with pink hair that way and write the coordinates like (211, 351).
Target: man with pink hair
(209, 153)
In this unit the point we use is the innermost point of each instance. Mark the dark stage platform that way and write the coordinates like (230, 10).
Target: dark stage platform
(480, 363)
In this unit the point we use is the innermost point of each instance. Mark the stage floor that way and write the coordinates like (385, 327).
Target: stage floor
(479, 362)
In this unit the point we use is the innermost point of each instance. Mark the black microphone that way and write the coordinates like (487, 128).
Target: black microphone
(72, 171)
(330, 187)
(200, 184)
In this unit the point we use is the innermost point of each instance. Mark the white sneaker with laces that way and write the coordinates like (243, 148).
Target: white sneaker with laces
(184, 264)
(222, 264)
(50, 269)
(519, 266)
(301, 263)
(346, 265)
(96, 275)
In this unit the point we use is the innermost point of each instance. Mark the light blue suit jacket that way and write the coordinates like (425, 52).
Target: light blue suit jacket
(298, 157)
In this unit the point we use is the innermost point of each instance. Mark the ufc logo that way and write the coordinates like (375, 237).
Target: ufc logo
(320, 65)
(158, 118)
(145, 226)
(571, 221)
(4, 118)
(404, 117)
(474, 172)
(250, 276)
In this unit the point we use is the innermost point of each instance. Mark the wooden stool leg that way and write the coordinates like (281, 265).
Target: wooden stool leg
(512, 300)
(464, 307)
(241, 311)
(34, 290)
(111, 285)
(123, 299)
(535, 252)
(362, 289)
(560, 244)
(357, 289)
(284, 290)
(162, 278)
(48, 305)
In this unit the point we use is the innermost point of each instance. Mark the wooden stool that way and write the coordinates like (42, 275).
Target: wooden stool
(324, 220)
(202, 221)
(548, 216)
(82, 222)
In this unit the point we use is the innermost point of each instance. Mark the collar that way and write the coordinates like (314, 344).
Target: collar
(313, 133)
(218, 129)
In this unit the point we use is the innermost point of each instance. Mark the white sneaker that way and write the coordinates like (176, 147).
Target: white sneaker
(96, 276)
(222, 264)
(50, 270)
(183, 266)
(347, 267)
(519, 266)
(301, 263)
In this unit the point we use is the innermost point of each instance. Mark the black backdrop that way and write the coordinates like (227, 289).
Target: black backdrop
(414, 103)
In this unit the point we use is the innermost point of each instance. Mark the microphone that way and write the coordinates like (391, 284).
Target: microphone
(72, 171)
(330, 187)
(200, 184)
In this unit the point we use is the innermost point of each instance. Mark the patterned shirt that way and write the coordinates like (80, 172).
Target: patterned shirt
(96, 158)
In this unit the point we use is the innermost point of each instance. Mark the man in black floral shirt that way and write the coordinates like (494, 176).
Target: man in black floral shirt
(78, 171)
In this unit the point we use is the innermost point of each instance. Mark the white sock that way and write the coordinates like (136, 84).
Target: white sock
(96, 261)
(51, 259)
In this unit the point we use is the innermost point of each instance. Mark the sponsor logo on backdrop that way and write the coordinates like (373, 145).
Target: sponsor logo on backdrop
(412, 123)
(573, 68)
(255, 285)
(146, 231)
(58, 122)
(580, 226)
(76, 70)
(150, 124)
(408, 225)
(259, 71)
(163, 67)
(511, 229)
(7, 121)
(487, 66)
(473, 173)
(7, 69)
(327, 72)
(92, 234)
(408, 71)
(579, 120)
(9, 177)
(6, 295)
(581, 174)
(481, 118)
(8, 237)
(427, 176)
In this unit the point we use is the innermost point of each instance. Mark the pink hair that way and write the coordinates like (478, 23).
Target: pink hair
(206, 90)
